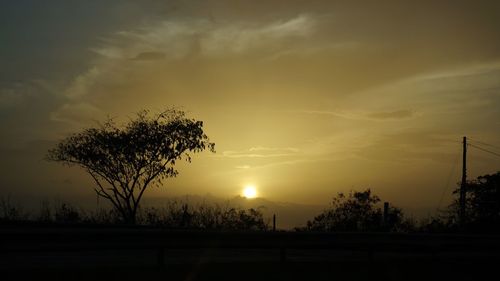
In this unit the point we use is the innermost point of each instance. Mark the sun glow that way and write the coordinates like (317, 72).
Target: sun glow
(250, 191)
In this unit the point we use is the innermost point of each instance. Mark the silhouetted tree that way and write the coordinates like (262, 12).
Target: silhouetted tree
(355, 212)
(482, 203)
(125, 161)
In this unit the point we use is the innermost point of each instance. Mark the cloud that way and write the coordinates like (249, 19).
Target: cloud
(274, 36)
(243, 66)
(16, 93)
(82, 83)
(261, 152)
(178, 47)
(412, 145)
(268, 165)
(150, 56)
(398, 114)
(274, 149)
(179, 38)
(9, 98)
(376, 116)
(451, 94)
(77, 113)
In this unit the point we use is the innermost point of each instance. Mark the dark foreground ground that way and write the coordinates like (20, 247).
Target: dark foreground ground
(148, 254)
(270, 271)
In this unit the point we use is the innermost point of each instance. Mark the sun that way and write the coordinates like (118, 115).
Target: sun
(250, 192)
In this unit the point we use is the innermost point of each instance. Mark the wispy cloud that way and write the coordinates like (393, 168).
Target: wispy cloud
(376, 116)
(150, 56)
(407, 146)
(392, 115)
(180, 38)
(274, 149)
(145, 51)
(76, 113)
(261, 152)
(299, 161)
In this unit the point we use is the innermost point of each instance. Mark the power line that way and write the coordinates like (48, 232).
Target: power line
(485, 150)
(483, 143)
(452, 172)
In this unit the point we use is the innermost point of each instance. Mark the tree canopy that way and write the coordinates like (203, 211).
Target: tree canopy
(125, 160)
(356, 211)
(482, 204)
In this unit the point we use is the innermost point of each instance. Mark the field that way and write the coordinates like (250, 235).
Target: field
(69, 253)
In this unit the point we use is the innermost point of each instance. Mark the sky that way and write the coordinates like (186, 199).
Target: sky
(303, 99)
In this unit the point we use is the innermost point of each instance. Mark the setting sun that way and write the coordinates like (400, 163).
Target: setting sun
(250, 191)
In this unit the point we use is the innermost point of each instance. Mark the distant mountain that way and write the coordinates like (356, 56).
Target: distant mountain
(288, 215)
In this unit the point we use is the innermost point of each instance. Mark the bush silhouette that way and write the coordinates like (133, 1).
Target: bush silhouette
(203, 216)
(356, 212)
(482, 205)
(174, 215)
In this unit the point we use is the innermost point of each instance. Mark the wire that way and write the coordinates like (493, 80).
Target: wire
(455, 162)
(452, 171)
(485, 150)
(483, 143)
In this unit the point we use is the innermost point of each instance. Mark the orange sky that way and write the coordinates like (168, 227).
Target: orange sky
(303, 99)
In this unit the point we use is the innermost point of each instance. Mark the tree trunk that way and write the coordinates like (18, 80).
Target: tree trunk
(129, 217)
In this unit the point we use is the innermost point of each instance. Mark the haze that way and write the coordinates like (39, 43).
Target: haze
(304, 99)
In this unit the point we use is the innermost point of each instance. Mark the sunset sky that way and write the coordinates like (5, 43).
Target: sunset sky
(304, 99)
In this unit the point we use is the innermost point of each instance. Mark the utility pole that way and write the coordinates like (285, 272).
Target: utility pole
(463, 185)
